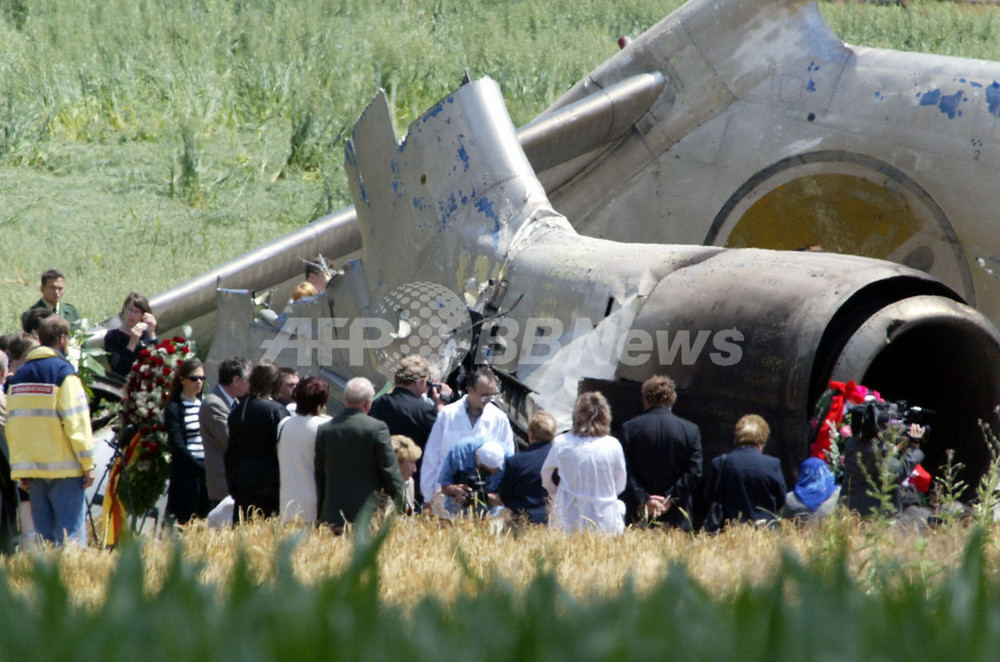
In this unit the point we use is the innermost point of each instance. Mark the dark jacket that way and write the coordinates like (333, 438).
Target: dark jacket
(354, 461)
(521, 485)
(663, 457)
(66, 310)
(252, 454)
(860, 472)
(750, 487)
(187, 495)
(120, 357)
(405, 413)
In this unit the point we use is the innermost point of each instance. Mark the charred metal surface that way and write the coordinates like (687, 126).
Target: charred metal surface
(745, 124)
(455, 213)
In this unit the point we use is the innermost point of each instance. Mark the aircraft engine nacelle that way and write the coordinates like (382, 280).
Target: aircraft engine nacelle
(764, 332)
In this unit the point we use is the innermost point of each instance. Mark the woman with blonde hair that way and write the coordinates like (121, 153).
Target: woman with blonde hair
(745, 485)
(591, 467)
(407, 454)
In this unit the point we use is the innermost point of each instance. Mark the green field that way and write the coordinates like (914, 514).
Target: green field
(143, 142)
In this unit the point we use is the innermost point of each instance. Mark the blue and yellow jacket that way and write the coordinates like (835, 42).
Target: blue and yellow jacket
(48, 419)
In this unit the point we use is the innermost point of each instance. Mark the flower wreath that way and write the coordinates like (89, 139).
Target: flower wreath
(146, 451)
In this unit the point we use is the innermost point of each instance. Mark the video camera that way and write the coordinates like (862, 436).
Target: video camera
(871, 417)
(478, 498)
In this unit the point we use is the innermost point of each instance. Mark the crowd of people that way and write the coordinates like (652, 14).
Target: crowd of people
(259, 443)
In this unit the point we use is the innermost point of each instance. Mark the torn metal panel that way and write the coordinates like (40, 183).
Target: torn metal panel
(728, 127)
(740, 330)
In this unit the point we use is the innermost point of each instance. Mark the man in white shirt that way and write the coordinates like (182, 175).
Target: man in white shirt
(473, 416)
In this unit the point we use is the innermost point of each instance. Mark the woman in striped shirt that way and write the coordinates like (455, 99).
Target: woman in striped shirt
(187, 496)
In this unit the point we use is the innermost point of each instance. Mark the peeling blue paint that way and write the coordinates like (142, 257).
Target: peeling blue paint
(463, 156)
(447, 208)
(946, 103)
(879, 96)
(930, 98)
(993, 98)
(433, 111)
(975, 84)
(949, 104)
(486, 207)
(812, 67)
(811, 87)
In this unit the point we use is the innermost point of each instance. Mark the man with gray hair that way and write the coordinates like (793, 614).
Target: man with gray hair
(354, 459)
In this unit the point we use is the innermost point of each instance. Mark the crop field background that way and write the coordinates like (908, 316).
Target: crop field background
(145, 141)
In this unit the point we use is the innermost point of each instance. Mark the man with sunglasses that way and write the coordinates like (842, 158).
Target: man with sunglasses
(473, 416)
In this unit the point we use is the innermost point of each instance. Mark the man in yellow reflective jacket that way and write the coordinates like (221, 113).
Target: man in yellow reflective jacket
(48, 432)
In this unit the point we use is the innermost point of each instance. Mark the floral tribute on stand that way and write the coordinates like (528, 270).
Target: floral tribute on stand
(139, 473)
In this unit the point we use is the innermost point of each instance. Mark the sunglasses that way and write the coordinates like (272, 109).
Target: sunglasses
(196, 378)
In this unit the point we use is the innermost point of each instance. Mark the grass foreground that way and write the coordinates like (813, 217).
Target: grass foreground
(421, 589)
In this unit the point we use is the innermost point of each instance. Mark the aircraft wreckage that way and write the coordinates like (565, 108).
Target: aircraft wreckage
(728, 124)
(463, 258)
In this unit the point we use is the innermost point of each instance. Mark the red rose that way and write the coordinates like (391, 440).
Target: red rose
(171, 348)
(160, 381)
(187, 350)
(167, 371)
(179, 339)
(144, 353)
(157, 361)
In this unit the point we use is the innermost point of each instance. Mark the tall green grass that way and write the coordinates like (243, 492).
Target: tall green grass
(144, 141)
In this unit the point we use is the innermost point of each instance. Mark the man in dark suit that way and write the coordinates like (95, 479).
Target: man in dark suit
(405, 410)
(52, 289)
(521, 489)
(663, 457)
(747, 484)
(354, 459)
(214, 420)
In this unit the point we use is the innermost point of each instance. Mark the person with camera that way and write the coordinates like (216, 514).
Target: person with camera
(475, 415)
(413, 405)
(880, 454)
(471, 475)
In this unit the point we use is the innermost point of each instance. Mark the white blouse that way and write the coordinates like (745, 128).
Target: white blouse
(591, 476)
(296, 459)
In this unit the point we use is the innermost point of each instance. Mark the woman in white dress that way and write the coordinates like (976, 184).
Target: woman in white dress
(591, 467)
(297, 450)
